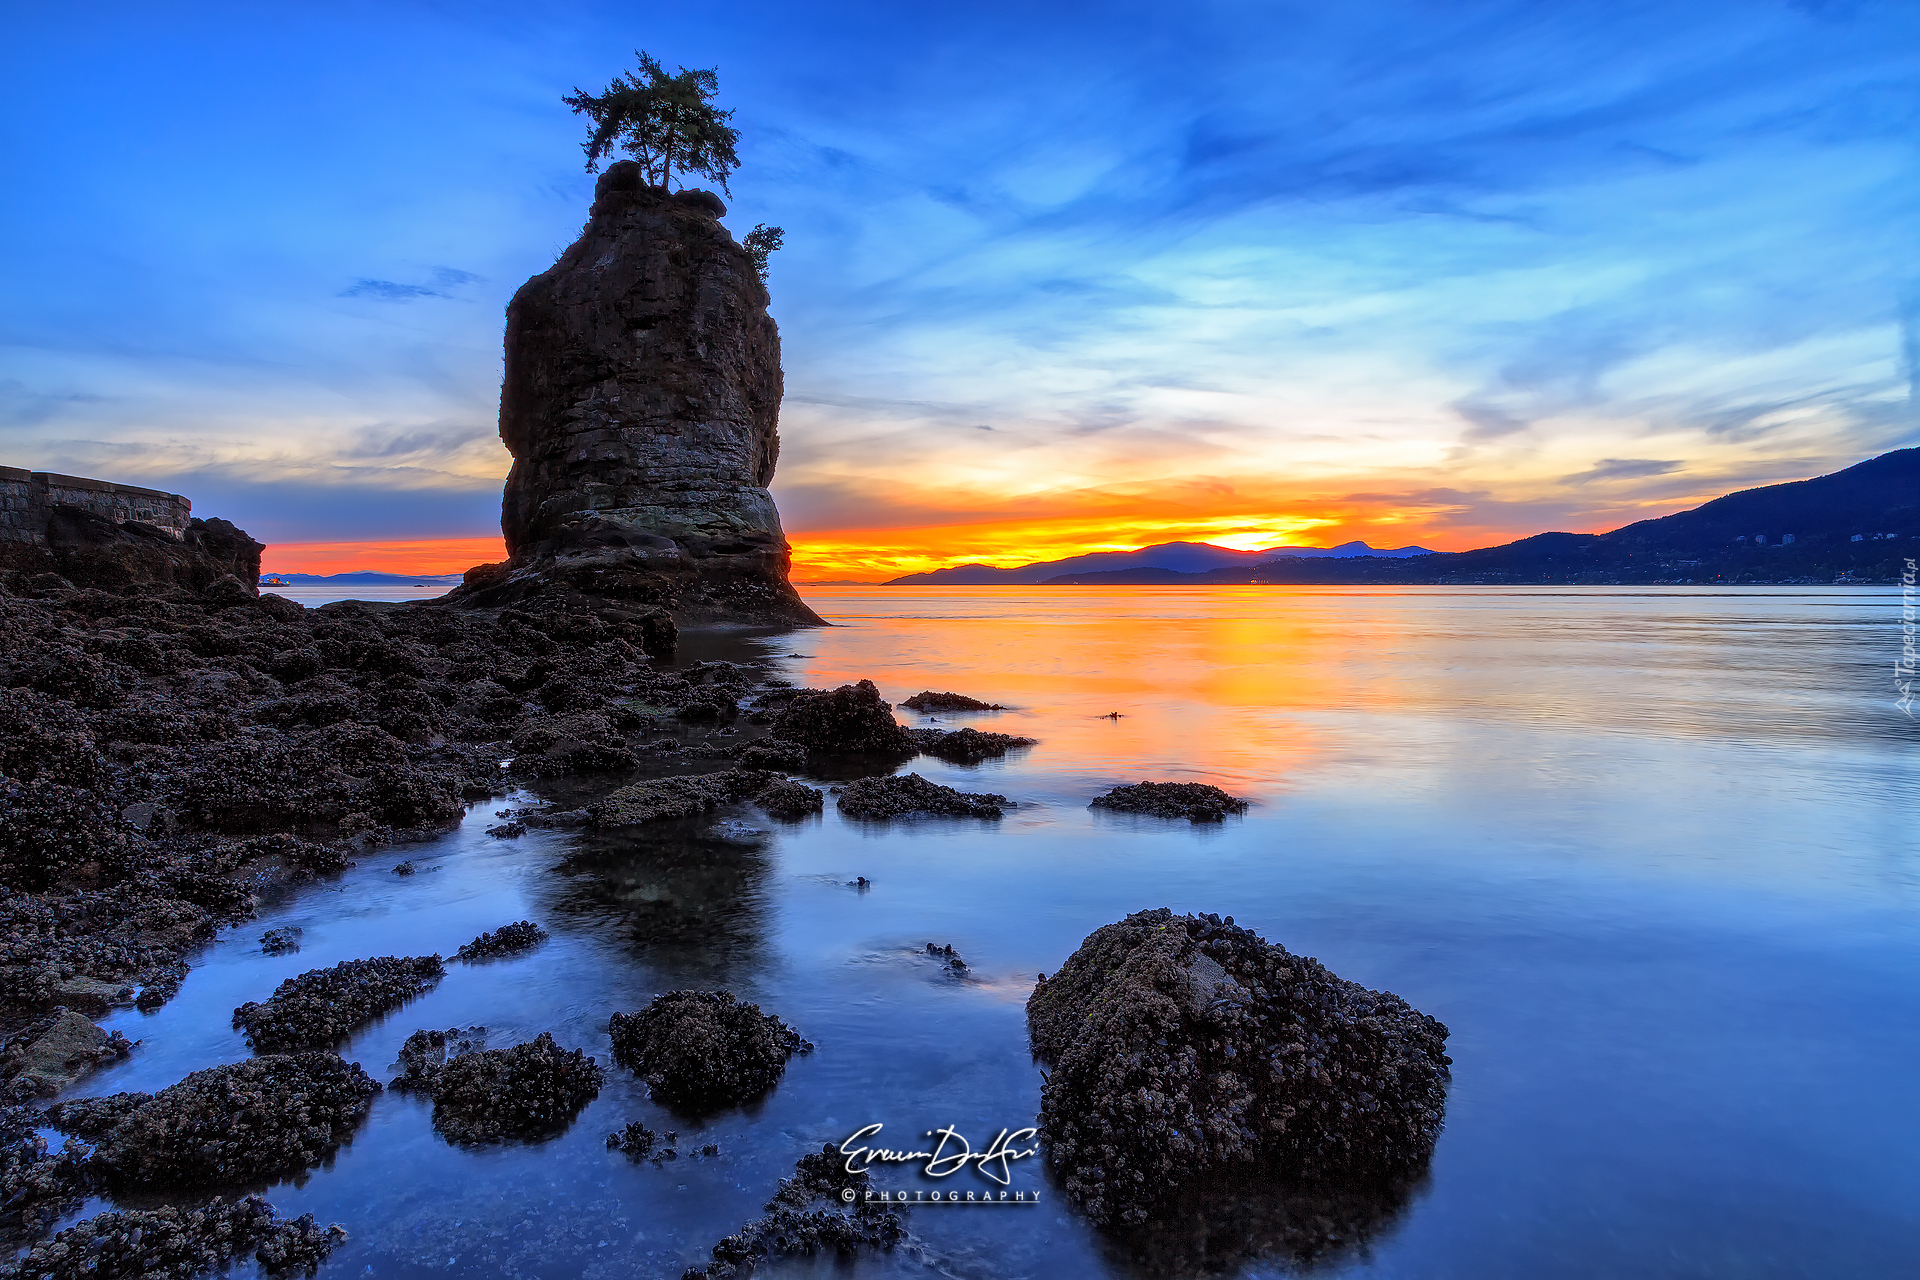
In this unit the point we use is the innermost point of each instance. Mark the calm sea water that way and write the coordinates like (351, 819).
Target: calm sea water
(1650, 853)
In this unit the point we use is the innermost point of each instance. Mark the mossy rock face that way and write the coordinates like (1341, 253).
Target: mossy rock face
(1183, 1046)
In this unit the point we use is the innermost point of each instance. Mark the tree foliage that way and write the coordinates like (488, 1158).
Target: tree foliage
(666, 122)
(760, 243)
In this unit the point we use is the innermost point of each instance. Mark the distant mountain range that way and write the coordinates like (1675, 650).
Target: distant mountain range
(1860, 524)
(1181, 558)
(368, 577)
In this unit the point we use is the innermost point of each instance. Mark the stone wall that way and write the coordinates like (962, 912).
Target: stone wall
(28, 500)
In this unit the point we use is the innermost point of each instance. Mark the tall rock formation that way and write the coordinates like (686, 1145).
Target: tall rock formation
(641, 406)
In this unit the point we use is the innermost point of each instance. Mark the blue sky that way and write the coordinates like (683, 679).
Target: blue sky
(1453, 270)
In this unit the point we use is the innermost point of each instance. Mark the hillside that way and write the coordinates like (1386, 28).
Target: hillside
(1176, 557)
(1858, 524)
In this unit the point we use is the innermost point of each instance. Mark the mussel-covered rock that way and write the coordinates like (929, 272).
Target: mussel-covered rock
(1186, 1045)
(322, 1007)
(175, 1243)
(700, 1050)
(910, 795)
(821, 1209)
(1195, 801)
(267, 1117)
(682, 797)
(966, 746)
(852, 718)
(507, 940)
(37, 1187)
(785, 798)
(928, 700)
(527, 1093)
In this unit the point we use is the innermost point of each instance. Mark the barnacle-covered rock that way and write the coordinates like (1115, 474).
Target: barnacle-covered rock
(268, 1117)
(821, 1209)
(175, 1243)
(528, 1093)
(507, 940)
(37, 1187)
(928, 700)
(1195, 801)
(910, 795)
(785, 798)
(322, 1007)
(700, 1050)
(966, 746)
(682, 797)
(1184, 1045)
(852, 718)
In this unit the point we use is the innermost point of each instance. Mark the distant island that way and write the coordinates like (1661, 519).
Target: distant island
(1857, 525)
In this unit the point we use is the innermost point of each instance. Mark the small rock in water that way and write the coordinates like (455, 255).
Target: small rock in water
(852, 718)
(789, 800)
(528, 1093)
(508, 939)
(404, 869)
(280, 942)
(966, 746)
(928, 700)
(322, 1007)
(700, 1050)
(507, 830)
(910, 795)
(635, 1141)
(1195, 801)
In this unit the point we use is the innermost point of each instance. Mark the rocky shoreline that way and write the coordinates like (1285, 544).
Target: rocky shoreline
(178, 754)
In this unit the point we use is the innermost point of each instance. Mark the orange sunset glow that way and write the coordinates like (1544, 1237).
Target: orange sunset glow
(423, 555)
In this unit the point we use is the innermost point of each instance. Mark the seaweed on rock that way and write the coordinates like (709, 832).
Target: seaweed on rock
(852, 718)
(682, 797)
(966, 746)
(790, 800)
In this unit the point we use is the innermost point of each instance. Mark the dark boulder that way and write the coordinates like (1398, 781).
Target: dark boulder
(1183, 1046)
(821, 1210)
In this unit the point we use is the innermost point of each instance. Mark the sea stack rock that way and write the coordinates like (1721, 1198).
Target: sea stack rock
(641, 406)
